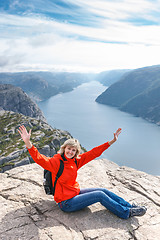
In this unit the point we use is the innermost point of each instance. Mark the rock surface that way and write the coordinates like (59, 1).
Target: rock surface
(28, 213)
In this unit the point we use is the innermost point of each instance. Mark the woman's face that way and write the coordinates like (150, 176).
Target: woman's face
(70, 151)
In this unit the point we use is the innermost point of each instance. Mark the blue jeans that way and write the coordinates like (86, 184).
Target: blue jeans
(88, 196)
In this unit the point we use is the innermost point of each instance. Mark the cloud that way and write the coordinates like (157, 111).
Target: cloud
(66, 38)
(122, 9)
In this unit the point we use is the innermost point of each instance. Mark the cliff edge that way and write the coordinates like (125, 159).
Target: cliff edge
(28, 213)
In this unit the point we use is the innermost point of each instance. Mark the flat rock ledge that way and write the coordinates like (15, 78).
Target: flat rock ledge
(28, 213)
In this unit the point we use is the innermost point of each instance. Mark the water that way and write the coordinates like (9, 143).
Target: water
(92, 124)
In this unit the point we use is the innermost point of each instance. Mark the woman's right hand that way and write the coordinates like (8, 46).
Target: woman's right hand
(25, 135)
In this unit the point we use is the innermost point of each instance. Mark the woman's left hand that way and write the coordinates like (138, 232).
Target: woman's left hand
(116, 134)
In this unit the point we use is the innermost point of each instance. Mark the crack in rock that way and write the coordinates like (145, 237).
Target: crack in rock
(156, 193)
(49, 236)
(26, 180)
(142, 193)
(38, 210)
(6, 196)
(88, 238)
(132, 232)
(133, 188)
(133, 235)
(11, 188)
(10, 229)
(11, 198)
(64, 225)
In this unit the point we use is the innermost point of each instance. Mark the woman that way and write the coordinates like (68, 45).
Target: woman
(67, 193)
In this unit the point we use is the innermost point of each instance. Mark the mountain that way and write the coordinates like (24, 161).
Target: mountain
(107, 78)
(14, 99)
(42, 85)
(137, 92)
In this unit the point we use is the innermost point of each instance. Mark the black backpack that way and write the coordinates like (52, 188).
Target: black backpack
(47, 183)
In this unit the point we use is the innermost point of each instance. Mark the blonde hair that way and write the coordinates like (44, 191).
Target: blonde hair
(73, 143)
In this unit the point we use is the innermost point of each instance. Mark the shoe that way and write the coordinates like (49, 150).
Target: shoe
(134, 205)
(137, 211)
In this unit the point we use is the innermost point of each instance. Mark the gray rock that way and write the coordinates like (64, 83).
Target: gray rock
(14, 99)
(7, 167)
(62, 140)
(28, 213)
(56, 142)
(8, 139)
(22, 162)
(11, 156)
(34, 122)
(40, 135)
(45, 150)
(52, 152)
(11, 131)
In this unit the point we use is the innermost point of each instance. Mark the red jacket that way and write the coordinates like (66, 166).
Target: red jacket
(67, 186)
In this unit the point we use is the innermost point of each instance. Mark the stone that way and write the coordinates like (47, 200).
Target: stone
(11, 156)
(22, 162)
(38, 137)
(56, 142)
(45, 150)
(28, 213)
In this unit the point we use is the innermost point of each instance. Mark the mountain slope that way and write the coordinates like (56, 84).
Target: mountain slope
(13, 152)
(137, 92)
(14, 99)
(107, 78)
(42, 85)
(145, 105)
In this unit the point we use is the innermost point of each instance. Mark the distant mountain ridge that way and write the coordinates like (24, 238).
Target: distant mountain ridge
(109, 77)
(42, 85)
(137, 92)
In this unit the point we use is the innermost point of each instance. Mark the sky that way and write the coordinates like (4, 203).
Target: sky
(78, 35)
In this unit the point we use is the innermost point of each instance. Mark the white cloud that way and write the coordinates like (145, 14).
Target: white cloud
(31, 42)
(121, 9)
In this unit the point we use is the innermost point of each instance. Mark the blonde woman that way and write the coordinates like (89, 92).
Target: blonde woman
(68, 194)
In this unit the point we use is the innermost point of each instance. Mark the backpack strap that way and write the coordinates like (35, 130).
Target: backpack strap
(76, 162)
(63, 157)
(59, 173)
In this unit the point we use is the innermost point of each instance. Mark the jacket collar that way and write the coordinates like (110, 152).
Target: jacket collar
(65, 158)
